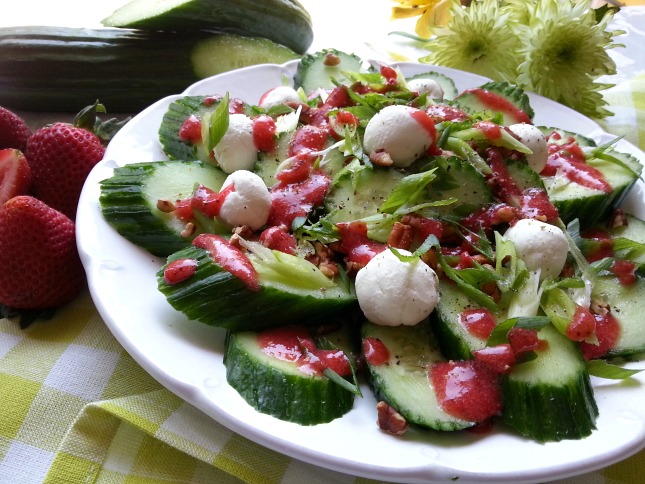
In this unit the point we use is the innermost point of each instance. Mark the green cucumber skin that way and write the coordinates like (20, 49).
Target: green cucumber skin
(550, 411)
(312, 72)
(277, 390)
(46, 68)
(455, 342)
(215, 297)
(175, 116)
(628, 306)
(285, 22)
(404, 382)
(126, 206)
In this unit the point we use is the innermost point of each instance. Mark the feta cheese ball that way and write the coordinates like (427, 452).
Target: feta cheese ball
(403, 132)
(531, 137)
(236, 150)
(248, 204)
(430, 87)
(541, 246)
(392, 292)
(277, 96)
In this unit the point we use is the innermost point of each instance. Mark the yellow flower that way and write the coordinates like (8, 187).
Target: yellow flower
(433, 13)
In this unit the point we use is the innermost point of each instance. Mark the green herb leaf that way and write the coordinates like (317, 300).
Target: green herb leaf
(604, 369)
(218, 123)
(407, 191)
(500, 333)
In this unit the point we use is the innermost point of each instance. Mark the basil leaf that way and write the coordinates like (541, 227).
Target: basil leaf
(218, 123)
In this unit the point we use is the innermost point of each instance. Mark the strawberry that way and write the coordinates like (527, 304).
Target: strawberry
(15, 174)
(61, 156)
(13, 130)
(40, 264)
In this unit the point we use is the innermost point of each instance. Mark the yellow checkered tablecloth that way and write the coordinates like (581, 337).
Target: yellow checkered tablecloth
(76, 408)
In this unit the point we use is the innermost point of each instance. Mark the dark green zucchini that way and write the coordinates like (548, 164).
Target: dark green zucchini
(285, 22)
(62, 69)
(129, 201)
(288, 293)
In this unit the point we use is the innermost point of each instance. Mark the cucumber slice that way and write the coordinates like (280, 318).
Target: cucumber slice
(283, 21)
(583, 141)
(523, 175)
(175, 117)
(129, 201)
(315, 71)
(450, 90)
(455, 341)
(498, 97)
(268, 162)
(279, 388)
(458, 179)
(404, 381)
(550, 398)
(290, 294)
(360, 194)
(589, 205)
(627, 305)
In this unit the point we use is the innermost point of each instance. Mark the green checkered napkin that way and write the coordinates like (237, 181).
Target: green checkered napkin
(75, 407)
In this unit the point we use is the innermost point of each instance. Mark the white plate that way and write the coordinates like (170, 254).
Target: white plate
(186, 357)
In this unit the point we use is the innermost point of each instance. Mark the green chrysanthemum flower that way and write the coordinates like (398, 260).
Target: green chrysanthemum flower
(564, 51)
(477, 39)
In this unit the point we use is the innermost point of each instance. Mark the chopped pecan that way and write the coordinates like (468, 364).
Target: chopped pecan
(401, 236)
(600, 307)
(381, 158)
(189, 230)
(166, 206)
(390, 420)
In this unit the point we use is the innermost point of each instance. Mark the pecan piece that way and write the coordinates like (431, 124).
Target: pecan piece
(390, 420)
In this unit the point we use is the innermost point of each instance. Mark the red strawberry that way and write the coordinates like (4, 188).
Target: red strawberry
(61, 156)
(15, 174)
(13, 130)
(38, 256)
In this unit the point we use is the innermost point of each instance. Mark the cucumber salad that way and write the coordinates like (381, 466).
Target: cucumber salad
(355, 225)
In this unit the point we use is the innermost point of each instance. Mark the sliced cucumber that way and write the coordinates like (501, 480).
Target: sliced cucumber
(627, 305)
(360, 194)
(278, 387)
(455, 341)
(129, 201)
(268, 162)
(498, 97)
(292, 291)
(318, 70)
(523, 175)
(460, 180)
(589, 205)
(450, 90)
(583, 141)
(173, 121)
(550, 398)
(404, 381)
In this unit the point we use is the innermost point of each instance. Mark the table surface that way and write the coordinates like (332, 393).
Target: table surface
(75, 407)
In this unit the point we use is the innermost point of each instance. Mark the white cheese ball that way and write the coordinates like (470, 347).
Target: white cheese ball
(540, 245)
(277, 96)
(236, 150)
(430, 87)
(392, 292)
(531, 137)
(249, 203)
(395, 131)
